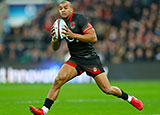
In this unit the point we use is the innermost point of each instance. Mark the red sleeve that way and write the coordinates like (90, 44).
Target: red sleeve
(89, 27)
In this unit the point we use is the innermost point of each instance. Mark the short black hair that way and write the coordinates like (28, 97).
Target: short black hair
(66, 1)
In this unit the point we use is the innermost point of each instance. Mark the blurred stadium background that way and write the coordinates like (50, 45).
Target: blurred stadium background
(128, 33)
(129, 47)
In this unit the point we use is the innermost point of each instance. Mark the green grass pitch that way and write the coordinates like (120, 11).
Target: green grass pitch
(80, 99)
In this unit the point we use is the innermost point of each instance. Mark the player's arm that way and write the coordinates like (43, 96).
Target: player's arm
(88, 36)
(55, 43)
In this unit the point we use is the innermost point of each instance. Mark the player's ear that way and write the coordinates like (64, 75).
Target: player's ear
(71, 9)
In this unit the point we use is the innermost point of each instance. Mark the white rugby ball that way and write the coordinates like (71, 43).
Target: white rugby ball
(58, 25)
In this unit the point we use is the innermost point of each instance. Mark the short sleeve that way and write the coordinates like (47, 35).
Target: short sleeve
(83, 23)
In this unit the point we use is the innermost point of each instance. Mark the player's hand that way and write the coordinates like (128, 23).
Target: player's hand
(68, 32)
(53, 34)
(53, 31)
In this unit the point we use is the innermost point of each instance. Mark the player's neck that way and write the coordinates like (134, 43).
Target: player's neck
(69, 17)
(66, 19)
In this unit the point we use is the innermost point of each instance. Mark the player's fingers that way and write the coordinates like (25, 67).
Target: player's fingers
(64, 29)
(66, 36)
(66, 26)
(52, 29)
(64, 33)
(53, 36)
(53, 33)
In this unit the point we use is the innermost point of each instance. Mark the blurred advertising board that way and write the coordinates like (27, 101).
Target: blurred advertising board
(45, 73)
(11, 75)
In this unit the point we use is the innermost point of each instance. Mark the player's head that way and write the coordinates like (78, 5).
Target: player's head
(65, 9)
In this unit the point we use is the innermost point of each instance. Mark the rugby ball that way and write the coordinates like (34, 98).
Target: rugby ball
(58, 25)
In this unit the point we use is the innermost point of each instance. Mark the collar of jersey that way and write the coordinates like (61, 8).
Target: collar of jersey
(71, 17)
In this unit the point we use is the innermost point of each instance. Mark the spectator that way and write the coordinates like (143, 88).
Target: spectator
(139, 55)
(128, 31)
(2, 53)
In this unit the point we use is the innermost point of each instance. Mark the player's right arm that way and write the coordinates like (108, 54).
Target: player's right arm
(55, 43)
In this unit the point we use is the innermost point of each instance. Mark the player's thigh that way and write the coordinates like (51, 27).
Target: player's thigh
(66, 73)
(102, 81)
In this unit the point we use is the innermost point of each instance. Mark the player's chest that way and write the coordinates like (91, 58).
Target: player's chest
(73, 26)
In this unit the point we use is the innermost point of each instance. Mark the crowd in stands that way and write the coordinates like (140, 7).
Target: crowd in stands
(127, 30)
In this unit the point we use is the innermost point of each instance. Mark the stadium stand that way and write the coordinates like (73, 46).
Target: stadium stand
(128, 31)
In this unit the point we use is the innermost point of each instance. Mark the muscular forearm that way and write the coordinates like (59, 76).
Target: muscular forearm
(92, 38)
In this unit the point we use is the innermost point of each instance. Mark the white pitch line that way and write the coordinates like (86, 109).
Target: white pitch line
(68, 100)
(89, 100)
(148, 114)
(28, 102)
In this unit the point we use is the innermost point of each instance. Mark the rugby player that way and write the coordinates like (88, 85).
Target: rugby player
(80, 37)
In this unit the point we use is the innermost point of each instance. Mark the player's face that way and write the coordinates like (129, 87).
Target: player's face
(65, 10)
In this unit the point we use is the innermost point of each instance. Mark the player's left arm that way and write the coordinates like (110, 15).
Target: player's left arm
(88, 36)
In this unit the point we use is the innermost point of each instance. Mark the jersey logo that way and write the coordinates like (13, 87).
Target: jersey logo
(72, 25)
(94, 69)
